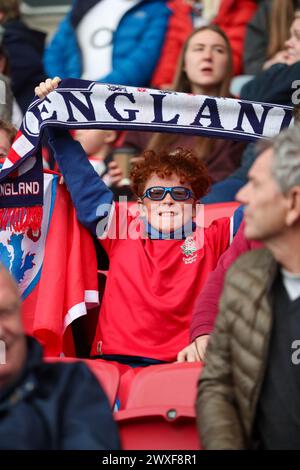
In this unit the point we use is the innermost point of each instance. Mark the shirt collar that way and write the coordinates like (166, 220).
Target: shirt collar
(180, 234)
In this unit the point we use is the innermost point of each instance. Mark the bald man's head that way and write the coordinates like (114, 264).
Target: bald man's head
(11, 329)
(7, 282)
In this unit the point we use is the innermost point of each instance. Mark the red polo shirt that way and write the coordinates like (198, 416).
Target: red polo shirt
(151, 288)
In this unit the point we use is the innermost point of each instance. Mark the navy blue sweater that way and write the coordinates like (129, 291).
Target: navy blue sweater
(55, 406)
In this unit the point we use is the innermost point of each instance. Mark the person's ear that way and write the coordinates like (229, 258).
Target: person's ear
(293, 213)
(110, 137)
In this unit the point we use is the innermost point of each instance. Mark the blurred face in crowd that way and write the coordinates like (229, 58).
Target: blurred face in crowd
(206, 61)
(168, 215)
(13, 341)
(266, 206)
(293, 43)
(4, 143)
(94, 140)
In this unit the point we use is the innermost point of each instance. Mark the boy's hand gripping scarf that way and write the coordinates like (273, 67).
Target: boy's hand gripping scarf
(84, 104)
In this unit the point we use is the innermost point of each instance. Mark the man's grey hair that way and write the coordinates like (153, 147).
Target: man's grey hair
(286, 163)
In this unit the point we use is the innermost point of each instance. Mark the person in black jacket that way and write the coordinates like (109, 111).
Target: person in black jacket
(267, 33)
(278, 84)
(281, 74)
(46, 406)
(24, 47)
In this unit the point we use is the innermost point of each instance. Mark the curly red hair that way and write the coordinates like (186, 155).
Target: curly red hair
(183, 162)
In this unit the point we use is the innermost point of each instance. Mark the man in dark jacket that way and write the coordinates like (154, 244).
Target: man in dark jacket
(248, 395)
(24, 48)
(45, 406)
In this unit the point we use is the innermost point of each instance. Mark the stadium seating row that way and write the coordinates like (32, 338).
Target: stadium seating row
(160, 410)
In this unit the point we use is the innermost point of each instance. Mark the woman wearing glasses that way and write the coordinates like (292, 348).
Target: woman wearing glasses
(159, 255)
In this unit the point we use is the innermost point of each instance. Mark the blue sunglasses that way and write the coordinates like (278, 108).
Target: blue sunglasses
(178, 193)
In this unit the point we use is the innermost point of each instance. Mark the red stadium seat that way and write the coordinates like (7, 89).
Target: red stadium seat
(160, 411)
(218, 210)
(107, 374)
